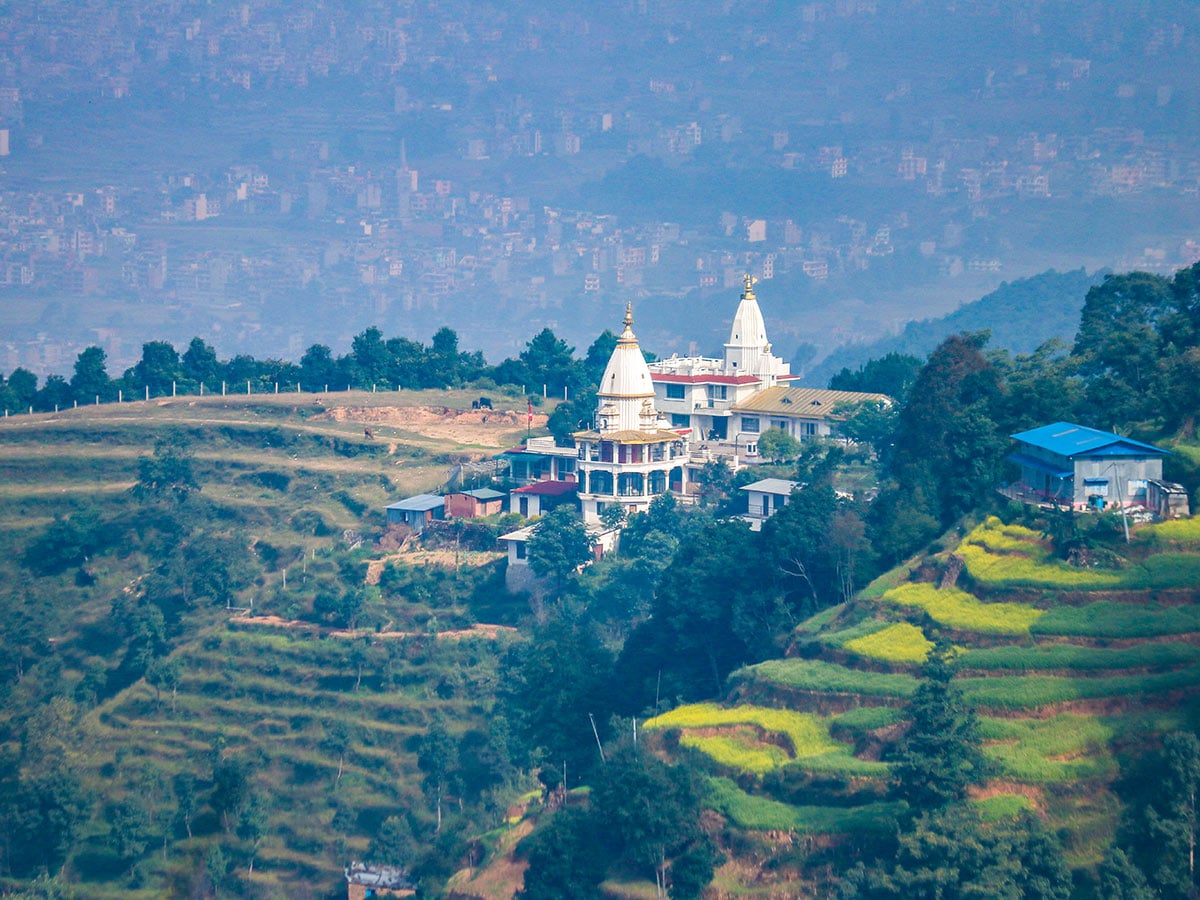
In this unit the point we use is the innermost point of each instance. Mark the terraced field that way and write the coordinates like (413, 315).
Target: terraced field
(1070, 670)
(321, 723)
(318, 741)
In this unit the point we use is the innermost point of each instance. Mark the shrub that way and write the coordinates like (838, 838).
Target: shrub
(957, 609)
(902, 643)
(353, 504)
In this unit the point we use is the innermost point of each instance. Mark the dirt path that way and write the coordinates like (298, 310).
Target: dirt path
(478, 630)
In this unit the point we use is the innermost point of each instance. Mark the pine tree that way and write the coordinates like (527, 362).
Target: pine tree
(940, 756)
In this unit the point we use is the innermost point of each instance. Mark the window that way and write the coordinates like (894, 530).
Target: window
(520, 549)
(750, 424)
(675, 391)
(679, 420)
(716, 392)
(781, 424)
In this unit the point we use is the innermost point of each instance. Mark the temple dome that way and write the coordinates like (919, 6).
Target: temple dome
(748, 330)
(626, 381)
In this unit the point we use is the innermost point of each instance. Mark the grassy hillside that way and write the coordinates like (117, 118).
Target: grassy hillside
(1074, 671)
(208, 736)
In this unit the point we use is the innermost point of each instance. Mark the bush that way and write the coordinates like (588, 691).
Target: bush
(356, 506)
(309, 521)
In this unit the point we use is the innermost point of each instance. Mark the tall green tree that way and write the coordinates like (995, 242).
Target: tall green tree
(371, 355)
(167, 474)
(200, 365)
(23, 386)
(549, 362)
(1117, 348)
(549, 685)
(1164, 827)
(948, 446)
(950, 853)
(158, 369)
(598, 355)
(91, 378)
(318, 369)
(568, 857)
(437, 758)
(776, 445)
(711, 614)
(892, 374)
(650, 810)
(796, 540)
(559, 546)
(444, 367)
(406, 363)
(939, 756)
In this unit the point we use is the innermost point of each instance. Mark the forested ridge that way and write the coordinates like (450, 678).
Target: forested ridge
(903, 686)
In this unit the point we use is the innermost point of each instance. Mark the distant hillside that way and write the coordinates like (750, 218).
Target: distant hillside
(1021, 315)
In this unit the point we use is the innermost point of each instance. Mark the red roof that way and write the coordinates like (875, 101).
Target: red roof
(548, 488)
(703, 379)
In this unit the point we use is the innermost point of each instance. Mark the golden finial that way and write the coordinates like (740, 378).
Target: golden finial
(748, 282)
(626, 336)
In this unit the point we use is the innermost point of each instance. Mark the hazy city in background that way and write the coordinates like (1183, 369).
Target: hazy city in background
(272, 175)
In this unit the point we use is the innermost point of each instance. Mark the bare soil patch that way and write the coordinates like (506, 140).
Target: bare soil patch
(480, 427)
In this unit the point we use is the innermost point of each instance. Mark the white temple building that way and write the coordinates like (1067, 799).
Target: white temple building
(725, 404)
(633, 455)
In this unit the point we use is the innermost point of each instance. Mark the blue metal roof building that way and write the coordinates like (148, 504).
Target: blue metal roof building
(1084, 467)
(416, 511)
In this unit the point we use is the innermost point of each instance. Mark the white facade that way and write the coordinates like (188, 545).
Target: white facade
(632, 456)
(727, 403)
(767, 497)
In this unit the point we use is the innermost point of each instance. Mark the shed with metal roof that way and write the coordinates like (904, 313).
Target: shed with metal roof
(1084, 467)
